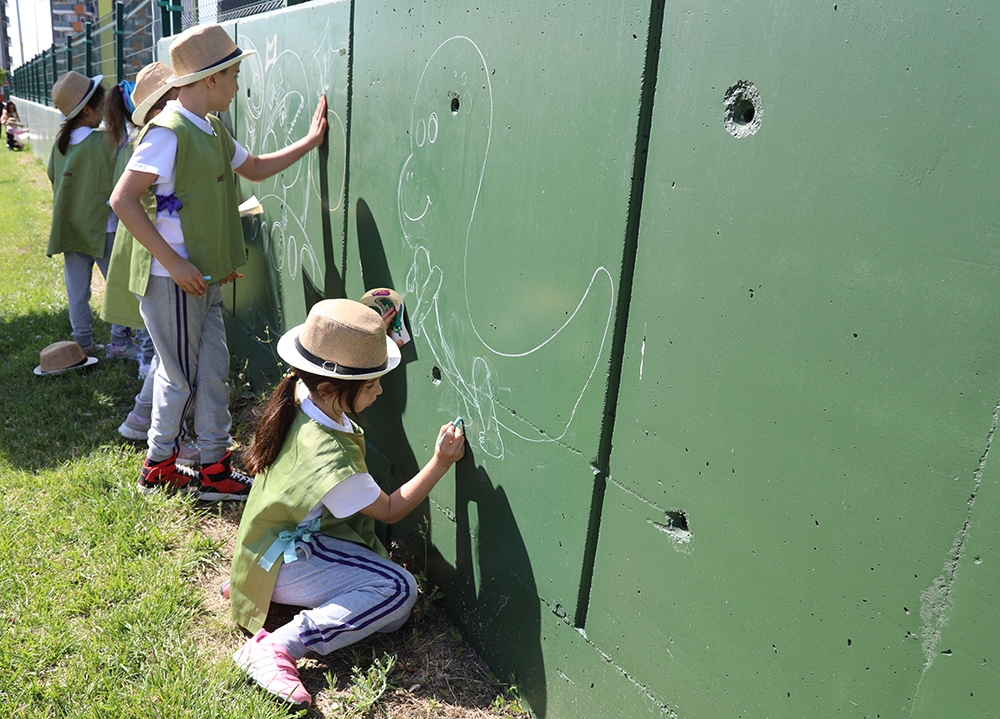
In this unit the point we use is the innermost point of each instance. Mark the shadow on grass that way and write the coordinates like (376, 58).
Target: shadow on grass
(50, 420)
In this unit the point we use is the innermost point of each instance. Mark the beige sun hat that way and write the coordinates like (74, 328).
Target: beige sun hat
(201, 51)
(72, 91)
(342, 339)
(61, 357)
(150, 86)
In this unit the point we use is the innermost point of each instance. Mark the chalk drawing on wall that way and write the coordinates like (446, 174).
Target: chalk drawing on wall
(440, 186)
(284, 84)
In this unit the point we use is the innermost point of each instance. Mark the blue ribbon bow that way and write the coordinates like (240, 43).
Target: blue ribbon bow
(168, 203)
(285, 544)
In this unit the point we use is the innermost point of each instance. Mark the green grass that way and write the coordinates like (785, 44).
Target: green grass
(99, 611)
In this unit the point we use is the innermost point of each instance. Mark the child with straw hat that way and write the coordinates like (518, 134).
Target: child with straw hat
(83, 230)
(125, 113)
(307, 534)
(193, 245)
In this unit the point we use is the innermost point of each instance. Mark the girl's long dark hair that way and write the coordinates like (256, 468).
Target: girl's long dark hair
(62, 138)
(117, 118)
(280, 411)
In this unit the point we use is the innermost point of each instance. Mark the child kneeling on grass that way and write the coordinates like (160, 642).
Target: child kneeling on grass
(194, 245)
(307, 536)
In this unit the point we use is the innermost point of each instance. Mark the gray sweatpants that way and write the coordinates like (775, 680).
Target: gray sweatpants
(190, 340)
(351, 591)
(78, 267)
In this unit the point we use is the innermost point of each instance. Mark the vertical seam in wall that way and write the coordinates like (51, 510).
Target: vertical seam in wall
(347, 149)
(631, 246)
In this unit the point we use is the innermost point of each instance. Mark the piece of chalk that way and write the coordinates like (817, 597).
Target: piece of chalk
(458, 430)
(207, 277)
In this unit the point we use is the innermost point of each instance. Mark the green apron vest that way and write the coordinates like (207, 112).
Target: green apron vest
(120, 305)
(312, 460)
(81, 185)
(205, 185)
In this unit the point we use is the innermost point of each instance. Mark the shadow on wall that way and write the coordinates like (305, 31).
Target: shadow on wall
(491, 589)
(384, 419)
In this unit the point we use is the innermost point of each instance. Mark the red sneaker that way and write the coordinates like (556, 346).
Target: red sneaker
(219, 482)
(165, 474)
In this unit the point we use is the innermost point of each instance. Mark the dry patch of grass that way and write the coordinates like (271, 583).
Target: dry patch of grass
(423, 670)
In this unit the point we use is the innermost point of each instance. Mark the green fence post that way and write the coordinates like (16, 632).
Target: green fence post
(119, 41)
(55, 72)
(170, 17)
(69, 53)
(88, 48)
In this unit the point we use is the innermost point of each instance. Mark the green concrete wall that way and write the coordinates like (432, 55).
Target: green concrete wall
(714, 286)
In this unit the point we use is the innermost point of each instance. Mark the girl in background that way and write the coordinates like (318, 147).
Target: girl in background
(83, 227)
(12, 125)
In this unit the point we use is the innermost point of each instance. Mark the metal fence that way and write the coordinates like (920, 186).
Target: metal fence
(120, 43)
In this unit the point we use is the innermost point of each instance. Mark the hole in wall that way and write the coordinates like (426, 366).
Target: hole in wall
(677, 520)
(455, 104)
(742, 109)
(435, 376)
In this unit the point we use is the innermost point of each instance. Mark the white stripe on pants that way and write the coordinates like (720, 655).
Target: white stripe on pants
(351, 591)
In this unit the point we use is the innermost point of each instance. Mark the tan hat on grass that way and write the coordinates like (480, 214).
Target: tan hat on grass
(341, 338)
(72, 91)
(61, 357)
(201, 51)
(150, 86)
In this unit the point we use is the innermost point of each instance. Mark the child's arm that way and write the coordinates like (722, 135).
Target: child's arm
(125, 202)
(392, 508)
(258, 169)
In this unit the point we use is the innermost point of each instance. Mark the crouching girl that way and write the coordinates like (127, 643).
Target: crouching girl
(307, 536)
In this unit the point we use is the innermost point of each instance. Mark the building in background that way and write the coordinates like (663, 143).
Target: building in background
(68, 18)
(4, 37)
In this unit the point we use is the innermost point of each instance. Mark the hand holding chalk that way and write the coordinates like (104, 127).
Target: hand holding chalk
(451, 441)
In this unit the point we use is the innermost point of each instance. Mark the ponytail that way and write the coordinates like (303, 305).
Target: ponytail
(117, 117)
(277, 417)
(280, 410)
(62, 137)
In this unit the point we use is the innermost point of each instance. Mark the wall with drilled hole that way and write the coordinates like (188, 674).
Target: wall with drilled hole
(714, 287)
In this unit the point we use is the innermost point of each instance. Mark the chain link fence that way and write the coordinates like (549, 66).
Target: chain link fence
(121, 43)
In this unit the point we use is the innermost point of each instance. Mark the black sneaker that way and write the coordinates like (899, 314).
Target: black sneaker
(220, 482)
(166, 475)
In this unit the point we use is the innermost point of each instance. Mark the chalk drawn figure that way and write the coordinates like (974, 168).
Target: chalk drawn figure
(440, 186)
(275, 112)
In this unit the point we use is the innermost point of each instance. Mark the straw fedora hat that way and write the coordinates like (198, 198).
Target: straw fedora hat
(342, 339)
(72, 91)
(201, 51)
(150, 86)
(61, 357)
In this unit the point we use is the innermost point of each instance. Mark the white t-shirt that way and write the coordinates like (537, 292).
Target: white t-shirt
(157, 153)
(354, 493)
(76, 136)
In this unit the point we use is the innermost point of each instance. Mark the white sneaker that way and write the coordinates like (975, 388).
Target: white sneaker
(134, 427)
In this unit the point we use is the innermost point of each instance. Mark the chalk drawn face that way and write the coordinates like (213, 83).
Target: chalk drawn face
(449, 140)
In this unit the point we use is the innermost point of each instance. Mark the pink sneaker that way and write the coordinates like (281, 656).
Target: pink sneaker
(270, 665)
